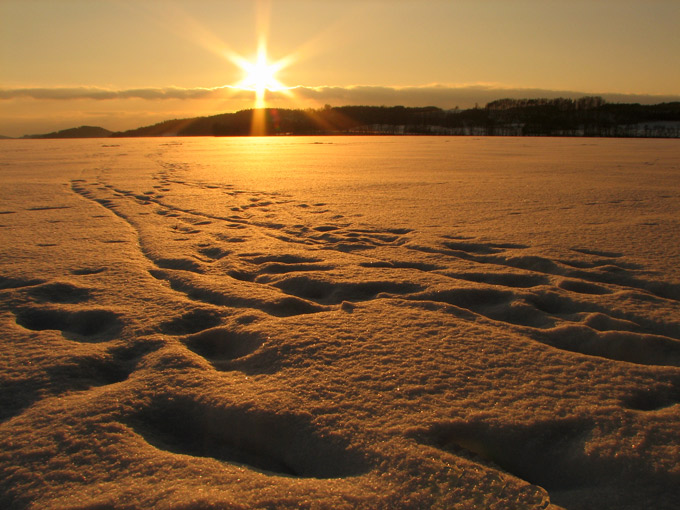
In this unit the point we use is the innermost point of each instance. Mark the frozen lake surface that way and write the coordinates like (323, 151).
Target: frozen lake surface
(340, 322)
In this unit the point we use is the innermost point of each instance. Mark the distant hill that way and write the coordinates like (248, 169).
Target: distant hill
(277, 121)
(79, 132)
(5, 137)
(587, 116)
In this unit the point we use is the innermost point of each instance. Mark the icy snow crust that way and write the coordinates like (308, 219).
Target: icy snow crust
(336, 323)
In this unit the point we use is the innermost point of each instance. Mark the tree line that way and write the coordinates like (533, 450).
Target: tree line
(586, 116)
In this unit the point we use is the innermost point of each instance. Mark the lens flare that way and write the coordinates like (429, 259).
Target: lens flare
(260, 75)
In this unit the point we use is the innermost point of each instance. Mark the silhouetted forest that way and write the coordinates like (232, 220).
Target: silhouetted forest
(587, 116)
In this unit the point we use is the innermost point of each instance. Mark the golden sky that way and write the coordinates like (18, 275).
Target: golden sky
(125, 63)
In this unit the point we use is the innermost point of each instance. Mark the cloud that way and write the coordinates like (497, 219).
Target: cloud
(96, 93)
(444, 96)
(449, 96)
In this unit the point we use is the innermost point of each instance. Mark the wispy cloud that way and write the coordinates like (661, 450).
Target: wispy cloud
(96, 93)
(449, 96)
(445, 96)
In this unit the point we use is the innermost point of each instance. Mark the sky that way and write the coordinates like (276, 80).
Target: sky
(122, 64)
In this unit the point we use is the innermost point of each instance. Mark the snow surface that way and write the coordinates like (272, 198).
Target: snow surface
(331, 323)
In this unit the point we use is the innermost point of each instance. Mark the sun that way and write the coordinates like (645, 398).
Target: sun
(260, 75)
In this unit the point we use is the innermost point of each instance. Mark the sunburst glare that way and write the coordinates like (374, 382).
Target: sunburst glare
(260, 75)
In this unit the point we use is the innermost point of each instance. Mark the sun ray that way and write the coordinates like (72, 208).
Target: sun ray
(259, 74)
(260, 78)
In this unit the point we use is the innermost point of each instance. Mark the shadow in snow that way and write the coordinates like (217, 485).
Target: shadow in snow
(277, 443)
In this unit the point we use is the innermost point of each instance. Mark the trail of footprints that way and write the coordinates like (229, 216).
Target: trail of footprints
(577, 304)
(580, 304)
(45, 307)
(212, 257)
(229, 433)
(243, 435)
(40, 305)
(552, 455)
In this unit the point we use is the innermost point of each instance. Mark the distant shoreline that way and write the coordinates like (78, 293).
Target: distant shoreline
(587, 117)
(338, 135)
